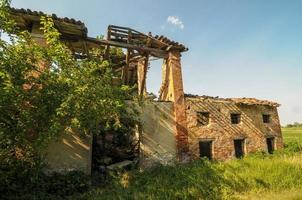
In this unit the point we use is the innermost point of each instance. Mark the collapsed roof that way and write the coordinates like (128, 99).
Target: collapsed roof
(140, 47)
(76, 32)
(242, 101)
(68, 27)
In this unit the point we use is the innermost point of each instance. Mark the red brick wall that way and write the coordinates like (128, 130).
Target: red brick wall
(223, 132)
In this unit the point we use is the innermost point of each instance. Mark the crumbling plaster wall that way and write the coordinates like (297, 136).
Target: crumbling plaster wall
(70, 151)
(223, 132)
(158, 139)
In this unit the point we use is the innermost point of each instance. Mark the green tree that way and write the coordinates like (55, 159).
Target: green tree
(38, 103)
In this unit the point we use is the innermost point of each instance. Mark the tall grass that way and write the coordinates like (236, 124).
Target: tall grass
(204, 180)
(244, 179)
(257, 176)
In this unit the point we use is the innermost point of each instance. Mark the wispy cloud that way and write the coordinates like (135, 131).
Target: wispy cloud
(176, 21)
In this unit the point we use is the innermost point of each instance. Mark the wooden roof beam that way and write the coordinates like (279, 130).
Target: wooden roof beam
(154, 52)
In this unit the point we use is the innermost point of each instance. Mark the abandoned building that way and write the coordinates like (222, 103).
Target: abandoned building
(226, 128)
(176, 127)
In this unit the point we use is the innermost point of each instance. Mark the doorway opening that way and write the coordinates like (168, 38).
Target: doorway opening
(270, 142)
(205, 149)
(239, 148)
(115, 148)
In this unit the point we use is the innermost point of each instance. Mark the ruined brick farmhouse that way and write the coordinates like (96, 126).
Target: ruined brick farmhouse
(176, 127)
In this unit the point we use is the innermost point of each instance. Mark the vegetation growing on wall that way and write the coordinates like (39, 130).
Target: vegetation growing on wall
(43, 92)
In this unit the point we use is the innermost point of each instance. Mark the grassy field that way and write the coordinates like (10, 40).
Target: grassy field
(292, 134)
(258, 176)
(254, 177)
(292, 194)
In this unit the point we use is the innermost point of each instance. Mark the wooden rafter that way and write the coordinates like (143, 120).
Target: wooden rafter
(143, 85)
(139, 46)
(93, 42)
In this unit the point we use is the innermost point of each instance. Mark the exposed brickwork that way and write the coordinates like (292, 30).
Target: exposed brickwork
(223, 133)
(175, 93)
(173, 131)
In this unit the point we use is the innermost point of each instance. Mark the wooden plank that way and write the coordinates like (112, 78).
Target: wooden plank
(120, 31)
(146, 62)
(118, 40)
(124, 32)
(107, 50)
(126, 68)
(155, 52)
(118, 35)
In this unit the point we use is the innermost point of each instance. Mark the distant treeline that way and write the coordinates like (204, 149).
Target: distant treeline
(296, 124)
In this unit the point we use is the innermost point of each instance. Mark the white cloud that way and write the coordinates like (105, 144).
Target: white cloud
(176, 21)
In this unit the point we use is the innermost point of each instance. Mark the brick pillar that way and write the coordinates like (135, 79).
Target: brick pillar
(172, 90)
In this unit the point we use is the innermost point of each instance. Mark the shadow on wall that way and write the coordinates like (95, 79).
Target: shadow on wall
(158, 142)
(70, 151)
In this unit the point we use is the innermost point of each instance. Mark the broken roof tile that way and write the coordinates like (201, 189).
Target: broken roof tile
(40, 13)
(244, 100)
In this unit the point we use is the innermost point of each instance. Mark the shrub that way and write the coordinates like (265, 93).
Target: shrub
(37, 103)
(292, 146)
(35, 185)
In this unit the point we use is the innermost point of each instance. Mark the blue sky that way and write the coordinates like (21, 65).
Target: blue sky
(237, 48)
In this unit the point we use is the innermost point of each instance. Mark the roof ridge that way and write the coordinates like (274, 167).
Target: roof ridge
(54, 16)
(237, 100)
